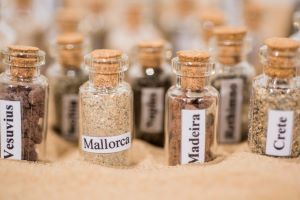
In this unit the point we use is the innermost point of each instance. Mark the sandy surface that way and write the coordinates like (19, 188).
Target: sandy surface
(235, 174)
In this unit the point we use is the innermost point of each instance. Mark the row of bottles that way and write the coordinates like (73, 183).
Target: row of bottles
(208, 104)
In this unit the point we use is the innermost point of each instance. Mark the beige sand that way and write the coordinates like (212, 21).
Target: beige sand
(236, 174)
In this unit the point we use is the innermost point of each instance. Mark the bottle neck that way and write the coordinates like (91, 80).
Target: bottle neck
(280, 82)
(192, 83)
(231, 55)
(22, 74)
(106, 81)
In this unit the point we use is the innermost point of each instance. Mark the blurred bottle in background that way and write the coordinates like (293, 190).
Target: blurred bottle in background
(233, 79)
(66, 75)
(296, 22)
(134, 27)
(25, 12)
(253, 14)
(209, 19)
(180, 25)
(66, 20)
(94, 24)
(7, 34)
(150, 78)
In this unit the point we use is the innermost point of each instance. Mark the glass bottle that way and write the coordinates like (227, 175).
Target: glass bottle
(66, 75)
(191, 110)
(94, 25)
(106, 110)
(23, 104)
(296, 19)
(209, 19)
(150, 80)
(135, 28)
(23, 12)
(7, 36)
(181, 26)
(233, 80)
(275, 108)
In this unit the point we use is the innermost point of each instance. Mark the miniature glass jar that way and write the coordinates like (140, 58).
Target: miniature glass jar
(23, 104)
(233, 79)
(275, 108)
(66, 75)
(106, 110)
(150, 79)
(191, 110)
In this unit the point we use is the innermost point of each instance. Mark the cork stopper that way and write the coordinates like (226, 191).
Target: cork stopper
(23, 60)
(70, 47)
(150, 53)
(106, 66)
(210, 18)
(230, 44)
(280, 57)
(193, 68)
(68, 20)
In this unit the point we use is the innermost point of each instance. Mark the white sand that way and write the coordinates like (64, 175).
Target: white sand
(235, 175)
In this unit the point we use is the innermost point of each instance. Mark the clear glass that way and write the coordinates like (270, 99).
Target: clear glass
(296, 20)
(179, 99)
(149, 86)
(180, 25)
(30, 99)
(135, 29)
(273, 93)
(106, 113)
(64, 88)
(233, 81)
(7, 35)
(94, 26)
(23, 12)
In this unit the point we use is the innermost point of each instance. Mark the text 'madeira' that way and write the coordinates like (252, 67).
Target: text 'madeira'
(192, 136)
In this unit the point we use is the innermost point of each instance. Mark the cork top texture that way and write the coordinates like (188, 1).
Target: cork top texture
(281, 57)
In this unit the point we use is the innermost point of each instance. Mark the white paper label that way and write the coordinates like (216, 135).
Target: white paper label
(280, 133)
(231, 93)
(70, 115)
(192, 136)
(152, 105)
(11, 135)
(106, 144)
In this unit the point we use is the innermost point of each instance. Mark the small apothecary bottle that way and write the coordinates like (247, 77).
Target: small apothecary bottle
(150, 79)
(233, 79)
(209, 19)
(191, 110)
(66, 75)
(275, 106)
(23, 104)
(106, 110)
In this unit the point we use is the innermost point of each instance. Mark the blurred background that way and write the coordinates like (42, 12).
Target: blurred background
(120, 24)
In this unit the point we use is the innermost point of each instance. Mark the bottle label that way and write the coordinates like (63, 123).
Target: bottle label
(279, 133)
(70, 115)
(231, 93)
(111, 144)
(152, 105)
(11, 135)
(192, 136)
